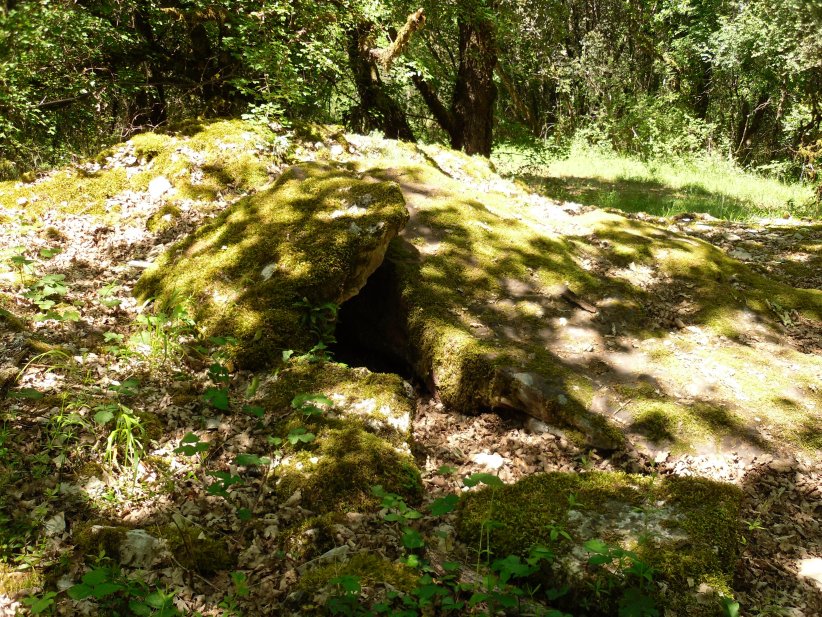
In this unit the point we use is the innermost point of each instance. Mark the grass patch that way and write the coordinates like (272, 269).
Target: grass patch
(663, 188)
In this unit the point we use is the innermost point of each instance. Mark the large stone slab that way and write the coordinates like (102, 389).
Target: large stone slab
(686, 529)
(317, 234)
(584, 318)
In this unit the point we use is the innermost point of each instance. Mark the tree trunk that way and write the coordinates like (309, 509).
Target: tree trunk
(472, 107)
(376, 109)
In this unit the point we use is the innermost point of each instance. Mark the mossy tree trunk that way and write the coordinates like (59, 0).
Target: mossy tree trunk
(376, 109)
(469, 119)
(472, 106)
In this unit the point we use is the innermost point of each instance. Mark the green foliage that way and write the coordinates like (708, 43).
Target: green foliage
(114, 593)
(321, 321)
(159, 335)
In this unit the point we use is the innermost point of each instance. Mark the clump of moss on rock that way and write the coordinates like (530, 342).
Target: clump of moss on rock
(317, 234)
(685, 528)
(196, 551)
(360, 441)
(370, 570)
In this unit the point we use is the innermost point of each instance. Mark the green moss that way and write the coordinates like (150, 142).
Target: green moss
(683, 527)
(95, 539)
(312, 537)
(231, 156)
(69, 190)
(369, 568)
(14, 582)
(195, 550)
(149, 145)
(163, 218)
(336, 472)
(288, 234)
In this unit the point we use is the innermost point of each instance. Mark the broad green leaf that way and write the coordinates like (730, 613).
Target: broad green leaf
(597, 546)
(28, 393)
(79, 592)
(412, 539)
(254, 410)
(251, 460)
(96, 576)
(140, 609)
(217, 398)
(103, 416)
(483, 478)
(444, 505)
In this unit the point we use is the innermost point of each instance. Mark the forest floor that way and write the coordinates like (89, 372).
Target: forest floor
(53, 441)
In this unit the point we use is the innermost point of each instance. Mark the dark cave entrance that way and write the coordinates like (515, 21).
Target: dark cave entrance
(371, 330)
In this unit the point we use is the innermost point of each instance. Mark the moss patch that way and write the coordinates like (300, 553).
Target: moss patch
(371, 570)
(195, 550)
(479, 274)
(360, 440)
(686, 528)
(204, 162)
(14, 582)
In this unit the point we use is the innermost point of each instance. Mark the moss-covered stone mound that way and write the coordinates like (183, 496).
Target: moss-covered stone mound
(582, 317)
(686, 529)
(315, 236)
(361, 437)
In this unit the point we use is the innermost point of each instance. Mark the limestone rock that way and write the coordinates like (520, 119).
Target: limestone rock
(243, 274)
(685, 528)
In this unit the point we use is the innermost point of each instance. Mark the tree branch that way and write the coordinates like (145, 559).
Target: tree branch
(432, 101)
(386, 56)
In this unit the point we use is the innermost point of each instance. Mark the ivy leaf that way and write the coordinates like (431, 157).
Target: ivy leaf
(251, 460)
(191, 445)
(254, 410)
(483, 478)
(444, 505)
(412, 539)
(217, 398)
(300, 435)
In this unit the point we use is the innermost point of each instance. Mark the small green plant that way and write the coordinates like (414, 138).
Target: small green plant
(117, 594)
(321, 321)
(623, 570)
(159, 335)
(399, 512)
(40, 604)
(108, 295)
(125, 441)
(239, 590)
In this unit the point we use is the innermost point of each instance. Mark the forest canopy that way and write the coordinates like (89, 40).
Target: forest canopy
(668, 77)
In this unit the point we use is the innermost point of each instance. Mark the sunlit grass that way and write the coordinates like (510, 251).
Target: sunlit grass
(706, 184)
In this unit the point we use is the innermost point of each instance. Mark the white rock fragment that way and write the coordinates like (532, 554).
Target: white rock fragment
(812, 569)
(56, 525)
(139, 549)
(295, 498)
(158, 187)
(491, 461)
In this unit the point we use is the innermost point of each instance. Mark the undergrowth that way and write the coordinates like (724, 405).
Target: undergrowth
(598, 176)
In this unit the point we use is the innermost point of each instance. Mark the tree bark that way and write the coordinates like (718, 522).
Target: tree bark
(472, 107)
(377, 110)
